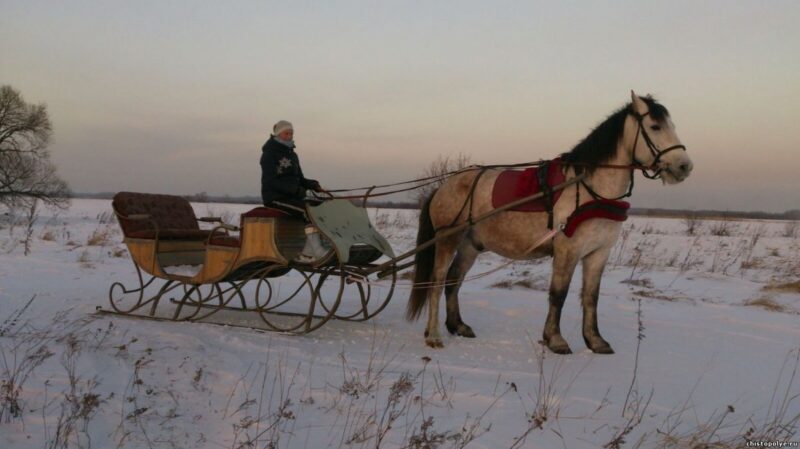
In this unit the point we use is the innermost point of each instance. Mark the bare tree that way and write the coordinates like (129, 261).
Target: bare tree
(440, 168)
(26, 171)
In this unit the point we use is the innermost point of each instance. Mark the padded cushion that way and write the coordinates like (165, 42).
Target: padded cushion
(169, 212)
(512, 185)
(265, 212)
(225, 240)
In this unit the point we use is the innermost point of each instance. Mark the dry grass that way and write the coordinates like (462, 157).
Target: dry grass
(528, 284)
(692, 223)
(751, 264)
(641, 282)
(728, 429)
(119, 252)
(766, 303)
(99, 237)
(85, 259)
(723, 228)
(654, 295)
(48, 236)
(786, 287)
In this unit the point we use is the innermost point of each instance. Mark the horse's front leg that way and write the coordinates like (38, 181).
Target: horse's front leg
(563, 267)
(593, 265)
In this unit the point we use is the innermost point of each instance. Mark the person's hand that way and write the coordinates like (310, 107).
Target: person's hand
(316, 187)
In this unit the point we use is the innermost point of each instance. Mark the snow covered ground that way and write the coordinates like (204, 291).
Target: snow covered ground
(705, 329)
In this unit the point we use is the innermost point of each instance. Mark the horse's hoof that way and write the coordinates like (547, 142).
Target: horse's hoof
(465, 331)
(605, 349)
(557, 344)
(560, 349)
(460, 329)
(598, 345)
(435, 344)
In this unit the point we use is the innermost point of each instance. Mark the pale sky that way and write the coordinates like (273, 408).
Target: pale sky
(178, 96)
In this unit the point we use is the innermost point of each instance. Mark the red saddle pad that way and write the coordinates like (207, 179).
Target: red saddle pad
(512, 185)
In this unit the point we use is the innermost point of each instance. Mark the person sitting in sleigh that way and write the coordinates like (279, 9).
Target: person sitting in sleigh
(283, 185)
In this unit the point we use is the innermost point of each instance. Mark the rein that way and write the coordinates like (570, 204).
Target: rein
(653, 171)
(421, 182)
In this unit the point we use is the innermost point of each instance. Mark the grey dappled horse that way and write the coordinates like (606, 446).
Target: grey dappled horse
(638, 135)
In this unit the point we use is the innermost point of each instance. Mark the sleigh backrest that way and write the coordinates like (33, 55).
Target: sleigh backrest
(170, 213)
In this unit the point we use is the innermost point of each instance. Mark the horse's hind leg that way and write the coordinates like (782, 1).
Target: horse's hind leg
(593, 265)
(563, 267)
(465, 258)
(445, 249)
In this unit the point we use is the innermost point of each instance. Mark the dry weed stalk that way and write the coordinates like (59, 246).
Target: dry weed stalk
(30, 219)
(546, 404)
(692, 223)
(79, 403)
(19, 362)
(790, 229)
(721, 227)
(780, 422)
(265, 416)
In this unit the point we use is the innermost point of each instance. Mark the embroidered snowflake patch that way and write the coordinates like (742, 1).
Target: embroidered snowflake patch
(283, 164)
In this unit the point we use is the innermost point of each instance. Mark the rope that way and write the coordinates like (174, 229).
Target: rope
(423, 182)
(412, 285)
(430, 180)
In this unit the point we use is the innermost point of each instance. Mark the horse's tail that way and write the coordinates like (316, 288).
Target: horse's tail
(423, 263)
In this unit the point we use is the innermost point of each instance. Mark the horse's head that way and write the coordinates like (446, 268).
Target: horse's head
(657, 146)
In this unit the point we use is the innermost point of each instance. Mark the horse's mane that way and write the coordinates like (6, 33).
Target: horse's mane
(601, 144)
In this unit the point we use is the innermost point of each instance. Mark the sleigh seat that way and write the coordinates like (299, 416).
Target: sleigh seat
(162, 231)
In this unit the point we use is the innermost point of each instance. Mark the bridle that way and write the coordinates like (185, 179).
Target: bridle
(653, 171)
(654, 150)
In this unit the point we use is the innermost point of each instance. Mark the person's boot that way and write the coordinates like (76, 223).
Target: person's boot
(313, 248)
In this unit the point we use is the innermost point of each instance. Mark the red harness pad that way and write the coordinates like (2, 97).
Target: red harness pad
(512, 185)
(610, 209)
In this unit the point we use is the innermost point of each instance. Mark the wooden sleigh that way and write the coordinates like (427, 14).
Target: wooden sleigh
(236, 267)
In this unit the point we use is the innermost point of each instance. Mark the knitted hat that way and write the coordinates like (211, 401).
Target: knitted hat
(282, 126)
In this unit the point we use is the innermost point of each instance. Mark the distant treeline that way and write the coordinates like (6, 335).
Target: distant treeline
(197, 198)
(793, 214)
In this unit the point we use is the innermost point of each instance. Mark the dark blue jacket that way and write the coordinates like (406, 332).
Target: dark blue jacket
(281, 175)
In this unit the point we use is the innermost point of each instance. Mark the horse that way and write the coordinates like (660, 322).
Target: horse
(639, 135)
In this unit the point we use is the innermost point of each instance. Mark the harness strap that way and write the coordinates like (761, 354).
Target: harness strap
(471, 196)
(468, 200)
(544, 186)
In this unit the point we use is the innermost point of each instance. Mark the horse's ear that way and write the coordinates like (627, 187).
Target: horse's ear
(639, 106)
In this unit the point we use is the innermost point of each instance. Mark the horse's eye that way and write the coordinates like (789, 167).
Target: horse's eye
(656, 127)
